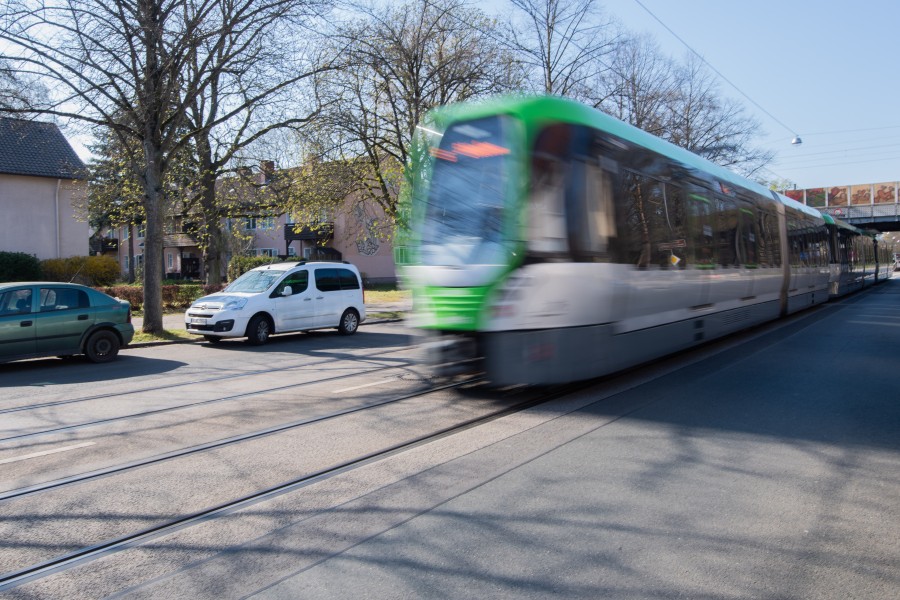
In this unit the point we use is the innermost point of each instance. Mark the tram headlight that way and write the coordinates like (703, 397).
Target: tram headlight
(508, 296)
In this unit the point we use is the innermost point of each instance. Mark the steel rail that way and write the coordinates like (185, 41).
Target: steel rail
(89, 553)
(206, 446)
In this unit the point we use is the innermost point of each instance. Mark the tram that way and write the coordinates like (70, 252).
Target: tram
(858, 259)
(551, 242)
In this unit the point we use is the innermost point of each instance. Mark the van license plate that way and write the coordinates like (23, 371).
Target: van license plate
(197, 321)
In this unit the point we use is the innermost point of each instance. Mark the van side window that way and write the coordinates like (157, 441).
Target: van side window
(298, 281)
(348, 279)
(328, 280)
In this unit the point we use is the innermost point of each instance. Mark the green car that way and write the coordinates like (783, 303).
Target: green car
(61, 319)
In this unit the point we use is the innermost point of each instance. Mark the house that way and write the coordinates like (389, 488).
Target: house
(349, 234)
(40, 191)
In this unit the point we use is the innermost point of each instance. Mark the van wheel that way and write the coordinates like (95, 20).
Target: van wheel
(258, 330)
(102, 346)
(349, 322)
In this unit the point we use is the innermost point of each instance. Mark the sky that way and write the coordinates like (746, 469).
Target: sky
(824, 70)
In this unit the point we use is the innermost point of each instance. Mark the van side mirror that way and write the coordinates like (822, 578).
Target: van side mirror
(287, 291)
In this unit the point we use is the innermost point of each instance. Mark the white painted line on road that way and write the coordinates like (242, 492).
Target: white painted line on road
(45, 453)
(878, 323)
(365, 385)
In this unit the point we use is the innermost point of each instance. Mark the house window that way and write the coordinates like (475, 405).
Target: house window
(265, 223)
(292, 251)
(171, 260)
(140, 231)
(267, 252)
(250, 223)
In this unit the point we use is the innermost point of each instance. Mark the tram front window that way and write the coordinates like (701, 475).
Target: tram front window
(467, 196)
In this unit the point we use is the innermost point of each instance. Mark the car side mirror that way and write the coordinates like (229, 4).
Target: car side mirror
(287, 291)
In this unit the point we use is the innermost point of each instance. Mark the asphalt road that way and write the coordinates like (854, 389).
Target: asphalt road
(765, 466)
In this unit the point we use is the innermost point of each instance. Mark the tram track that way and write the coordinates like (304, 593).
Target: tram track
(213, 379)
(74, 479)
(210, 401)
(114, 544)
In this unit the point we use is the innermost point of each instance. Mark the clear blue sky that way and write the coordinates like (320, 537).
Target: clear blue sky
(817, 66)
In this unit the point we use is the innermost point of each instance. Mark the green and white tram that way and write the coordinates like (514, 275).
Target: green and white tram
(551, 242)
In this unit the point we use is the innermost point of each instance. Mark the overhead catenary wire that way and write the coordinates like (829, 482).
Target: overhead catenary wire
(716, 71)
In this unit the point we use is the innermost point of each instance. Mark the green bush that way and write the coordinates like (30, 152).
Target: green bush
(18, 266)
(241, 264)
(87, 270)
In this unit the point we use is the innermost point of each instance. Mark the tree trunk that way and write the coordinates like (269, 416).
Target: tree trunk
(130, 253)
(153, 242)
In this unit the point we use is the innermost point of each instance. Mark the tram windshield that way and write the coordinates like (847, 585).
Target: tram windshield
(467, 196)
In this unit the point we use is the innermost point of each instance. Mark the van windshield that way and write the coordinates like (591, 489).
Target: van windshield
(254, 282)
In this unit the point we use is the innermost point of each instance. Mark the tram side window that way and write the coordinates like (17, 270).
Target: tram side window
(796, 239)
(702, 238)
(589, 211)
(750, 241)
(727, 232)
(674, 251)
(770, 245)
(547, 216)
(649, 221)
(822, 247)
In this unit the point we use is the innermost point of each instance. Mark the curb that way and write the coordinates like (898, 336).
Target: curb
(198, 339)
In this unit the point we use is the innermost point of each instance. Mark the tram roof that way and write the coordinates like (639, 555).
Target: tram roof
(549, 109)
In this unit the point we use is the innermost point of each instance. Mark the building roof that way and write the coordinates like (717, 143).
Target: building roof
(37, 149)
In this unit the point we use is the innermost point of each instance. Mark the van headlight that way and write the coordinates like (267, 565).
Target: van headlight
(234, 304)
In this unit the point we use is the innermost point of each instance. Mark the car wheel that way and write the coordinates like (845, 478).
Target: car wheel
(102, 346)
(213, 339)
(349, 322)
(258, 330)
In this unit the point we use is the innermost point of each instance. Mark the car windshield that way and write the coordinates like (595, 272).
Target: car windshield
(467, 197)
(254, 282)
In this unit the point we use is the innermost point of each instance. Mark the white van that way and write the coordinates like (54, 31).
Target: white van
(279, 298)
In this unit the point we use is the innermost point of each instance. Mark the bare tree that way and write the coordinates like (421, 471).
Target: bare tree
(127, 65)
(711, 125)
(401, 61)
(564, 44)
(274, 87)
(639, 86)
(18, 91)
(679, 102)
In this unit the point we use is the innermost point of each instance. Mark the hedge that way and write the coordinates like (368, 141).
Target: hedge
(86, 270)
(174, 297)
(18, 266)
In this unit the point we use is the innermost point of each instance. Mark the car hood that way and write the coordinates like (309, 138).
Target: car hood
(217, 301)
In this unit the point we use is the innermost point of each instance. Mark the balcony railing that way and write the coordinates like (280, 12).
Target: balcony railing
(104, 245)
(316, 233)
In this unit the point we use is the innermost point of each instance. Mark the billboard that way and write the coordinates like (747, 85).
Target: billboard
(848, 195)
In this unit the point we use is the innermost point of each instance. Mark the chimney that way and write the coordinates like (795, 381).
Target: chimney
(267, 170)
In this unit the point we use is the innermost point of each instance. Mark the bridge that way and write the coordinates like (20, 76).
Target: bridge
(867, 206)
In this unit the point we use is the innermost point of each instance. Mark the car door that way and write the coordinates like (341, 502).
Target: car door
(297, 310)
(17, 330)
(65, 315)
(328, 299)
